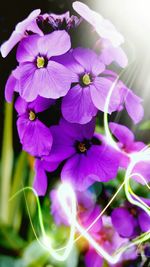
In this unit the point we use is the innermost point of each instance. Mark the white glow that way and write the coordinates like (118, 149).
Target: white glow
(131, 16)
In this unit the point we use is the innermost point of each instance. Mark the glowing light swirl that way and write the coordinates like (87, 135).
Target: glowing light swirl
(45, 240)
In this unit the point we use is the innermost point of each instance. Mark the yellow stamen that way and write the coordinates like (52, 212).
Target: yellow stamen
(86, 79)
(82, 147)
(32, 116)
(40, 62)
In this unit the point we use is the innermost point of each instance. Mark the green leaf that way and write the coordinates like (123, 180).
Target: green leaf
(9, 239)
(96, 188)
(15, 209)
(145, 126)
(7, 261)
(99, 129)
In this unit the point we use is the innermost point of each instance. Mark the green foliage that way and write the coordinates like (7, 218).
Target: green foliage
(145, 126)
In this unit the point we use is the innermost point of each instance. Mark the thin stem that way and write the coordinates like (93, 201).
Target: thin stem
(6, 162)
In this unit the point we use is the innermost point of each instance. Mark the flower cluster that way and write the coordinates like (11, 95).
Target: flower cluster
(54, 79)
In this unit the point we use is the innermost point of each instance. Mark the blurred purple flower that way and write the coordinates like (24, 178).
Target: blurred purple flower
(110, 40)
(125, 141)
(104, 28)
(109, 239)
(128, 146)
(34, 136)
(38, 73)
(132, 103)
(130, 221)
(22, 30)
(110, 54)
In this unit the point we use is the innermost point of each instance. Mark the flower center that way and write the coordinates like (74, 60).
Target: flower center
(86, 79)
(133, 211)
(41, 62)
(82, 147)
(32, 115)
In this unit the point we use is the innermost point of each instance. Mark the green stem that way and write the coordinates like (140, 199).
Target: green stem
(6, 162)
(15, 213)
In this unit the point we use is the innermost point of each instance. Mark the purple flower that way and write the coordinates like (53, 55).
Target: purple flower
(38, 73)
(22, 30)
(11, 87)
(125, 141)
(132, 103)
(110, 54)
(90, 88)
(130, 220)
(103, 27)
(128, 145)
(34, 136)
(110, 40)
(51, 22)
(88, 158)
(40, 178)
(109, 239)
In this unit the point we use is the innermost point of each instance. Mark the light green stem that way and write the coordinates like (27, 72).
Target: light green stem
(6, 162)
(15, 213)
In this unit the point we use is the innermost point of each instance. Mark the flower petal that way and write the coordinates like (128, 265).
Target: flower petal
(99, 164)
(40, 179)
(93, 259)
(54, 44)
(113, 54)
(87, 217)
(54, 81)
(69, 62)
(28, 81)
(40, 104)
(76, 131)
(19, 32)
(89, 60)
(27, 49)
(77, 105)
(123, 222)
(99, 93)
(62, 147)
(122, 133)
(144, 221)
(103, 27)
(9, 45)
(143, 169)
(21, 105)
(30, 132)
(134, 106)
(11, 86)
